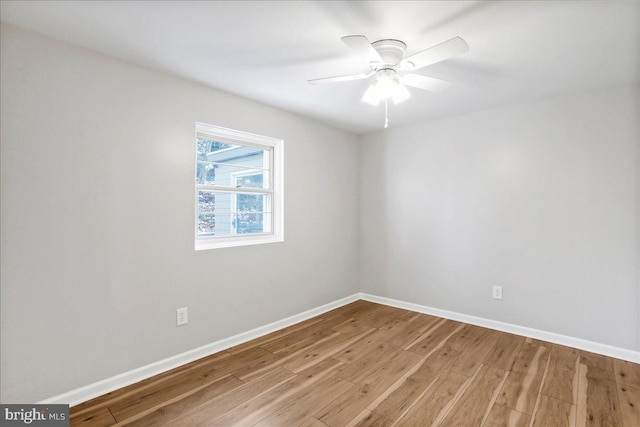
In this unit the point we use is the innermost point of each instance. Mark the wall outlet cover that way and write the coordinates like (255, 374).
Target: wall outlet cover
(182, 316)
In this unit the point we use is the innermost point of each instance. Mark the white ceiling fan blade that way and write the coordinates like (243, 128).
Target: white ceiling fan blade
(423, 82)
(336, 79)
(363, 47)
(437, 53)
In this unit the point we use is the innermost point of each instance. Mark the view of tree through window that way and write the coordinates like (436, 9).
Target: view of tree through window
(206, 173)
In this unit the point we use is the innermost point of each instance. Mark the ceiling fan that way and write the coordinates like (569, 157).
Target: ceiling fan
(393, 72)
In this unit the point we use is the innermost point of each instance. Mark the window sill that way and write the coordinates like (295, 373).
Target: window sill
(228, 242)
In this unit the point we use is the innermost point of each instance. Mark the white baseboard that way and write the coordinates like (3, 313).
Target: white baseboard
(579, 343)
(99, 388)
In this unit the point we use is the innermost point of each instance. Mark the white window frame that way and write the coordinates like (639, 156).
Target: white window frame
(276, 190)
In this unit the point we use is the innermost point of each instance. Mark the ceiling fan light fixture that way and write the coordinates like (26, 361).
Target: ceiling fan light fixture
(386, 81)
(386, 86)
(371, 96)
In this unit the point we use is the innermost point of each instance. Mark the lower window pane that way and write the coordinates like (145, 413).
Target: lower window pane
(227, 214)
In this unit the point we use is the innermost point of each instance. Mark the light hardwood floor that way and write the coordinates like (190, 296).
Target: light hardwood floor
(367, 364)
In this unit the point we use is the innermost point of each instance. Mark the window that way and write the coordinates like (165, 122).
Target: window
(239, 196)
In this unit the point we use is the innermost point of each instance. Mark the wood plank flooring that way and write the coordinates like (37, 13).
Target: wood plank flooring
(367, 364)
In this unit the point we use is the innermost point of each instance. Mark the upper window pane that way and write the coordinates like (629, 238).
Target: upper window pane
(229, 165)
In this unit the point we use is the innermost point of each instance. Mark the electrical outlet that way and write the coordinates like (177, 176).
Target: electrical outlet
(497, 292)
(182, 316)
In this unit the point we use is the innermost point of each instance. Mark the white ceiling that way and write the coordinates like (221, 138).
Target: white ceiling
(266, 50)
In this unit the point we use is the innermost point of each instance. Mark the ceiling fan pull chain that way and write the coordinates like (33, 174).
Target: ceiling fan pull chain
(386, 115)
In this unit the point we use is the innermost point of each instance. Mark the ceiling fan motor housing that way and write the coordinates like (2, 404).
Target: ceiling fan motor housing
(392, 51)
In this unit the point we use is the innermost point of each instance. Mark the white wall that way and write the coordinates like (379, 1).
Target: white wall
(540, 198)
(97, 180)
